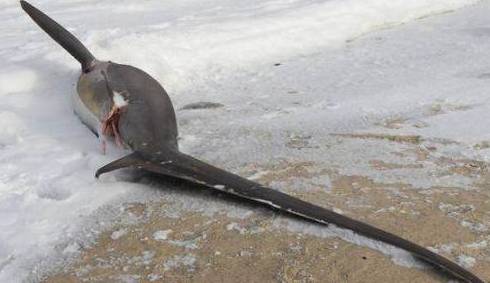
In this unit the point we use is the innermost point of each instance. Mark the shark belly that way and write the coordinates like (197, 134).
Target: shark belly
(85, 115)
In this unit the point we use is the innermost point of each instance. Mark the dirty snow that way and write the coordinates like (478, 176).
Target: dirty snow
(398, 256)
(161, 235)
(466, 261)
(118, 233)
(281, 69)
(188, 261)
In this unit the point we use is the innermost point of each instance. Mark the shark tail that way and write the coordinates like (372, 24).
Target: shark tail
(182, 166)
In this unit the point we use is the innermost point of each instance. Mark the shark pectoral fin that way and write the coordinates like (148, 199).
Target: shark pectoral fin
(131, 160)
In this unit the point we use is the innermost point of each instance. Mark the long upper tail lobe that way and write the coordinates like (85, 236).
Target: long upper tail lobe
(67, 40)
(186, 167)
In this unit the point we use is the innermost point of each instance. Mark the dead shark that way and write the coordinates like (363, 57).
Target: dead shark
(126, 104)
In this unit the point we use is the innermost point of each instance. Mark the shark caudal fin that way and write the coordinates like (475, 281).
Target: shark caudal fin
(64, 38)
(182, 166)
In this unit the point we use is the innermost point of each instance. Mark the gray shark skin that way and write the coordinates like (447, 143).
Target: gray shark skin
(126, 104)
(146, 118)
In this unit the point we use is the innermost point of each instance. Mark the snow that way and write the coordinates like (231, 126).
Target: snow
(235, 226)
(478, 245)
(17, 80)
(13, 128)
(466, 261)
(153, 277)
(161, 235)
(296, 63)
(119, 233)
(398, 256)
(177, 261)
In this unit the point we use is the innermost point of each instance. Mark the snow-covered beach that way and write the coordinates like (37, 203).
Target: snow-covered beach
(340, 85)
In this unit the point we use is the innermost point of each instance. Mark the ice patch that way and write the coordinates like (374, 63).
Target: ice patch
(177, 261)
(187, 244)
(477, 227)
(161, 235)
(397, 255)
(257, 175)
(152, 277)
(235, 226)
(118, 234)
(72, 248)
(478, 245)
(466, 261)
(145, 259)
(445, 248)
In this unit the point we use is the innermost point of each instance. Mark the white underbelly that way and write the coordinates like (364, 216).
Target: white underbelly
(85, 115)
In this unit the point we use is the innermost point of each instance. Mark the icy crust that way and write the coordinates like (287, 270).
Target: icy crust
(206, 45)
(398, 256)
(184, 44)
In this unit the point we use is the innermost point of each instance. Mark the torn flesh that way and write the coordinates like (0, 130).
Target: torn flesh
(109, 127)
